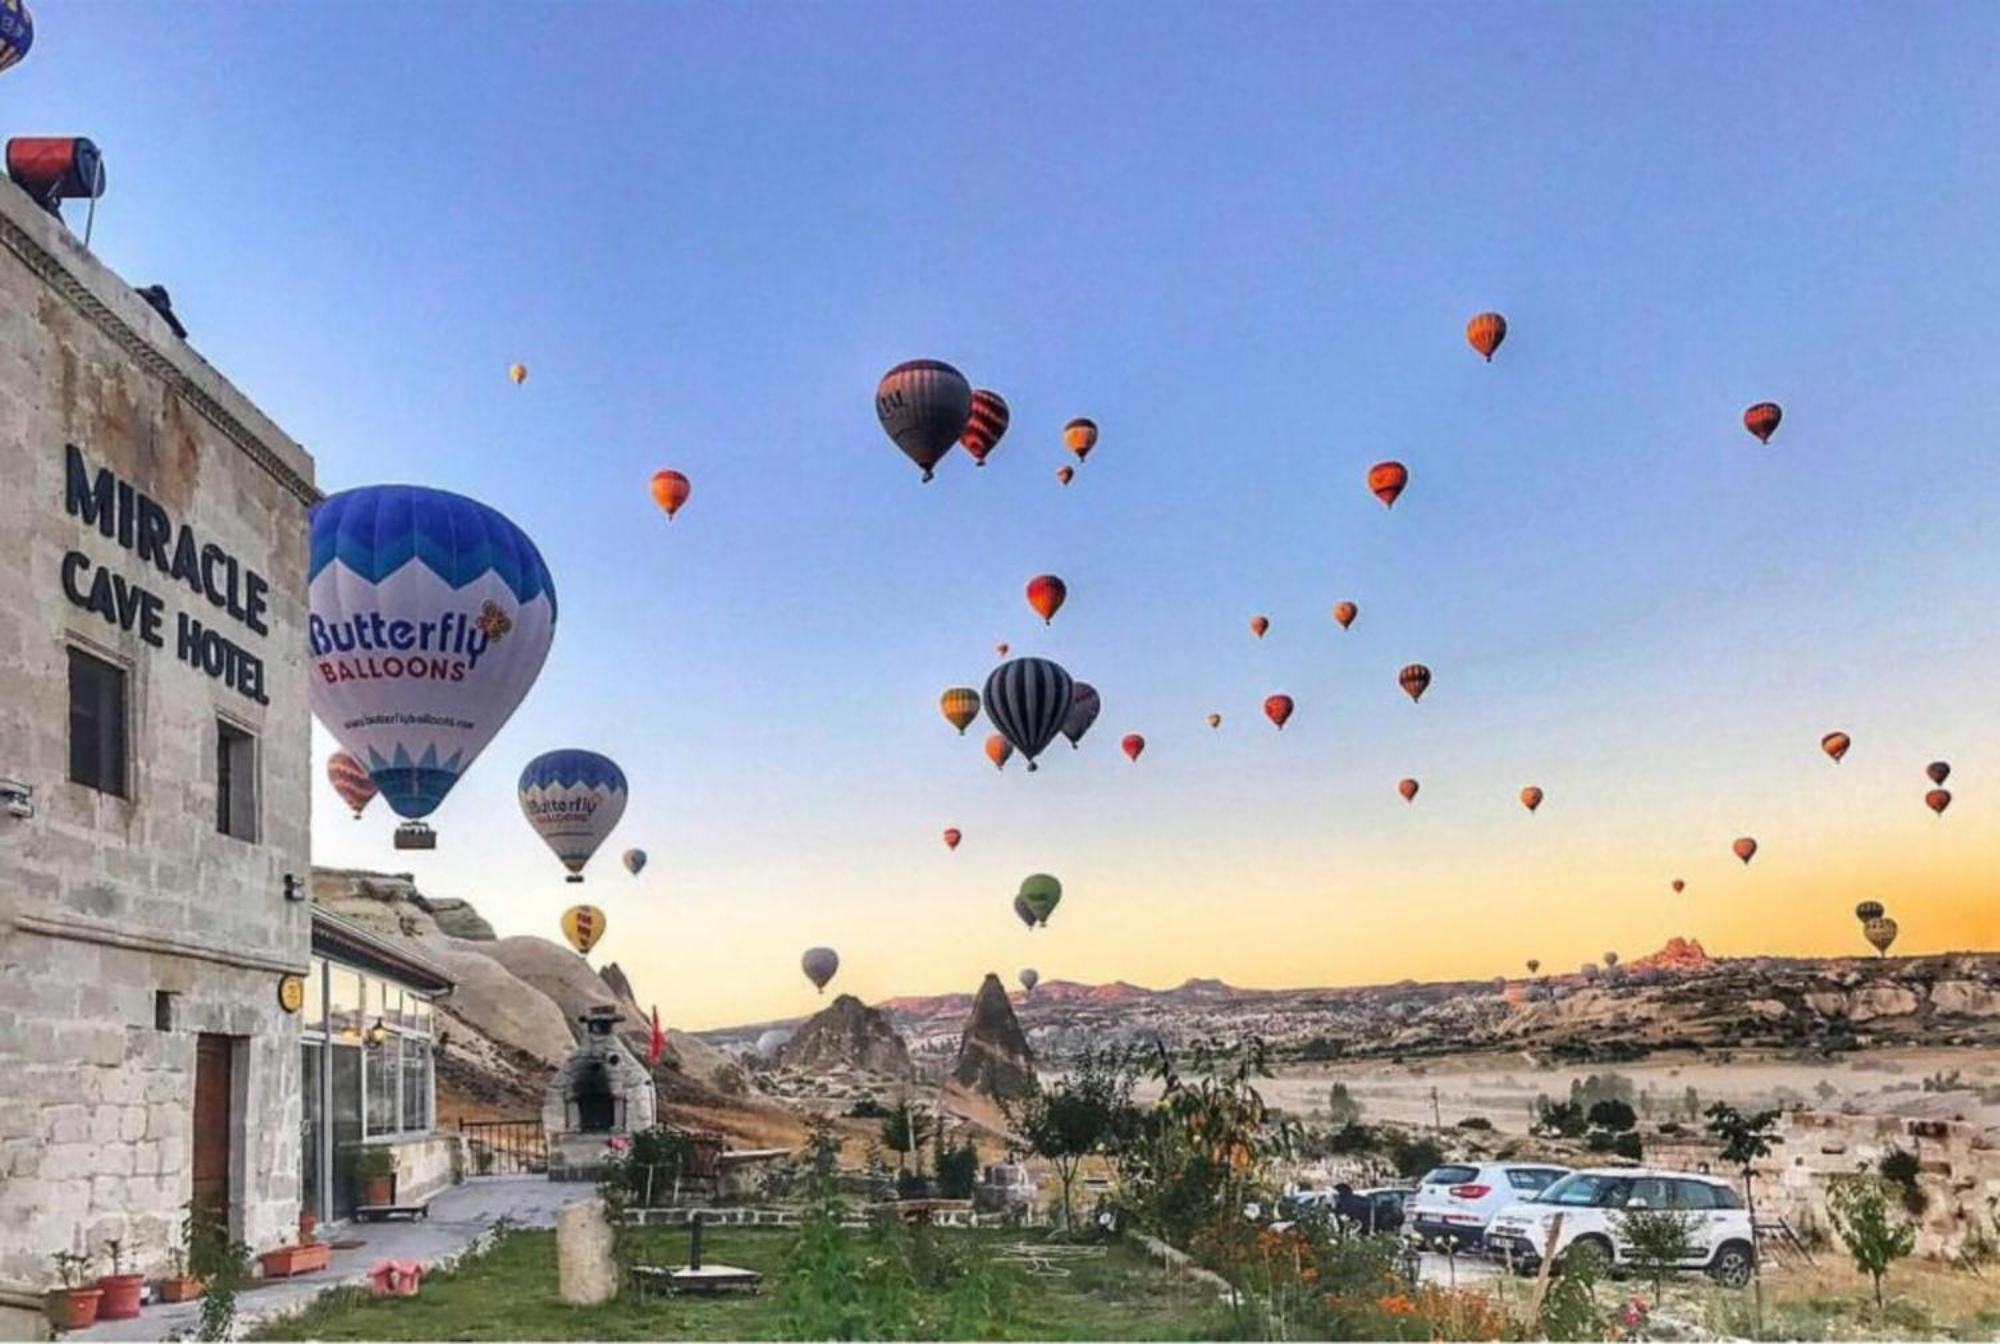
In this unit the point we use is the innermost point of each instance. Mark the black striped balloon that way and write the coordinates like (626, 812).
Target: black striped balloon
(1028, 699)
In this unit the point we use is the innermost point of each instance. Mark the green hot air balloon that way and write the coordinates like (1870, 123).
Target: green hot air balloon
(1041, 893)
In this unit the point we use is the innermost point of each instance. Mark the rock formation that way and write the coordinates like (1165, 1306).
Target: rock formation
(1679, 954)
(848, 1034)
(993, 1055)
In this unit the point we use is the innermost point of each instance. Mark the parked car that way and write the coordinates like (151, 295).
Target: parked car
(1455, 1202)
(1004, 1187)
(1380, 1208)
(1591, 1204)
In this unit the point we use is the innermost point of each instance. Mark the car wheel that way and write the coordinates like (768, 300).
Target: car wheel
(1731, 1266)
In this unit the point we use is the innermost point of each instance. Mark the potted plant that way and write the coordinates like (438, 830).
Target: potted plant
(179, 1285)
(121, 1290)
(375, 1168)
(303, 1258)
(308, 1220)
(72, 1306)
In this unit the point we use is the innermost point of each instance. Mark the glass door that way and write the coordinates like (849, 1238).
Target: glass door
(312, 1129)
(346, 1127)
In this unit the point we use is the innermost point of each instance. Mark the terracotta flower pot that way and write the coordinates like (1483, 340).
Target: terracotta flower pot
(72, 1308)
(186, 1288)
(121, 1296)
(378, 1190)
(286, 1261)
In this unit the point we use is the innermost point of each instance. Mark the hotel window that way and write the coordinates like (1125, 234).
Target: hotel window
(235, 781)
(96, 723)
(380, 1071)
(345, 984)
(416, 1085)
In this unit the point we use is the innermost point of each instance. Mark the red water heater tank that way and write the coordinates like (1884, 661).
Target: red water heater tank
(54, 168)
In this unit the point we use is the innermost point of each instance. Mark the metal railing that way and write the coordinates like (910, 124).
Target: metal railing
(505, 1147)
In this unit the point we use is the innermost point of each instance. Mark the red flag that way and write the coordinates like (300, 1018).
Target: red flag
(657, 1046)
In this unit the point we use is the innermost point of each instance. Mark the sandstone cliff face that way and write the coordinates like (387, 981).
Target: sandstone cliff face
(993, 1055)
(847, 1034)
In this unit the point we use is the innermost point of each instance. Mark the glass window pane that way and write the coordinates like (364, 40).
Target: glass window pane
(392, 1005)
(421, 1018)
(345, 985)
(313, 1015)
(416, 1086)
(381, 1074)
(97, 723)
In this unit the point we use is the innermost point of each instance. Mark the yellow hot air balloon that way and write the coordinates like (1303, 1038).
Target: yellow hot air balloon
(518, 373)
(960, 706)
(1880, 933)
(583, 925)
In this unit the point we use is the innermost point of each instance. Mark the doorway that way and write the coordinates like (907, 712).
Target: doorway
(210, 1133)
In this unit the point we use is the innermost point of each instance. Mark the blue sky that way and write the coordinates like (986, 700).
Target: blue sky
(1245, 239)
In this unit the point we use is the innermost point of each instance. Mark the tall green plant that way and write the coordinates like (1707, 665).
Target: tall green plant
(219, 1259)
(1088, 1112)
(1860, 1209)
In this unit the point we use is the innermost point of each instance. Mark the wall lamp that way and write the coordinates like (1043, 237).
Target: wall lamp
(374, 1037)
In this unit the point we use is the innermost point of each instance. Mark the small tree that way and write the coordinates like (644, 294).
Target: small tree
(1658, 1240)
(1744, 1139)
(1859, 1207)
(1341, 1107)
(1073, 1118)
(905, 1130)
(1613, 1115)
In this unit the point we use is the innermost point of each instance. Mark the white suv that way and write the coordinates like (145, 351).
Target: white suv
(1454, 1202)
(1592, 1204)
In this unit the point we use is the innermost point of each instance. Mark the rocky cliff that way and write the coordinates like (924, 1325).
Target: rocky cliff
(993, 1055)
(847, 1034)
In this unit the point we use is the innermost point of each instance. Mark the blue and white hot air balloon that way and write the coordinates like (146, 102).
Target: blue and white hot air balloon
(573, 799)
(430, 617)
(17, 32)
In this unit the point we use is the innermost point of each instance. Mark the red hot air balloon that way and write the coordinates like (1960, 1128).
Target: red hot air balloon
(1485, 332)
(1937, 800)
(1000, 650)
(952, 835)
(1345, 612)
(1836, 745)
(1387, 480)
(1046, 594)
(1065, 474)
(1258, 625)
(985, 425)
(998, 750)
(1745, 849)
(350, 780)
(1278, 708)
(670, 491)
(923, 405)
(1408, 788)
(1679, 886)
(1938, 771)
(1132, 745)
(1415, 679)
(1531, 797)
(1762, 420)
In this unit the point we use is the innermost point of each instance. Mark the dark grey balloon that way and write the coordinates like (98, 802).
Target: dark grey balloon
(923, 405)
(1083, 711)
(1028, 699)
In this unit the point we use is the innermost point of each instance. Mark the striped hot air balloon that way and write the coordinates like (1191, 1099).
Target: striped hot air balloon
(1083, 711)
(350, 780)
(923, 405)
(583, 925)
(1762, 420)
(960, 706)
(1387, 480)
(1027, 699)
(1080, 436)
(1415, 679)
(670, 491)
(1880, 933)
(1485, 332)
(985, 426)
(1868, 910)
(17, 32)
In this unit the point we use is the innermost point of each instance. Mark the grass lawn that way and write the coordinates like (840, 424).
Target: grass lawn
(510, 1293)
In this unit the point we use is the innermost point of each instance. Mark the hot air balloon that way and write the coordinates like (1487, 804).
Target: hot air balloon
(573, 799)
(1937, 800)
(1215, 720)
(1835, 745)
(670, 491)
(1132, 745)
(1415, 679)
(17, 32)
(351, 782)
(771, 1042)
(1485, 332)
(1408, 788)
(1046, 594)
(1534, 965)
(952, 836)
(985, 425)
(431, 615)
(1065, 474)
(923, 405)
(1083, 709)
(1589, 971)
(960, 706)
(1023, 913)
(1745, 849)
(1678, 885)
(998, 751)
(1278, 708)
(583, 925)
(1027, 699)
(1080, 436)
(1000, 650)
(1387, 480)
(635, 861)
(1345, 612)
(1868, 910)
(1938, 771)
(1258, 625)
(517, 373)
(1611, 960)
(819, 964)
(1030, 977)
(1880, 933)
(1040, 893)
(1531, 797)
(1762, 420)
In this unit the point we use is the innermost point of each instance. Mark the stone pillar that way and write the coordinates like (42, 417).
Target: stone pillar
(586, 1271)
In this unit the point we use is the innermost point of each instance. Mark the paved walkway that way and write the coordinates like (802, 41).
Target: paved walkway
(460, 1216)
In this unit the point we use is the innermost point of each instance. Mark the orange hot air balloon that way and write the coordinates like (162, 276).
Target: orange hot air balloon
(998, 750)
(1215, 720)
(1345, 612)
(1387, 480)
(1000, 649)
(1762, 420)
(1080, 436)
(1065, 474)
(517, 373)
(1485, 332)
(1745, 849)
(1408, 788)
(952, 835)
(960, 706)
(1132, 745)
(1531, 797)
(670, 491)
(1258, 625)
(985, 426)
(1937, 800)
(350, 780)
(1678, 886)
(1278, 708)
(1415, 679)
(1938, 771)
(1836, 745)
(1046, 594)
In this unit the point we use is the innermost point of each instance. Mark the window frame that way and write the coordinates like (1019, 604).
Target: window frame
(119, 783)
(249, 815)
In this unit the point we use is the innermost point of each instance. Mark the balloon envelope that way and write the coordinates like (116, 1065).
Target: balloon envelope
(1030, 977)
(1679, 886)
(1531, 797)
(1065, 474)
(670, 490)
(573, 799)
(1415, 679)
(985, 425)
(923, 405)
(1258, 625)
(517, 373)
(952, 835)
(583, 925)
(1027, 699)
(1080, 436)
(1023, 913)
(1345, 612)
(1880, 933)
(819, 964)
(350, 780)
(1084, 708)
(1278, 708)
(17, 32)
(1408, 788)
(1937, 800)
(960, 706)
(1040, 893)
(431, 616)
(1835, 745)
(998, 751)
(1762, 420)
(635, 861)
(1046, 594)
(1534, 964)
(1215, 720)
(1485, 332)
(1745, 849)
(1938, 771)
(1387, 480)
(1132, 746)
(1868, 910)
(771, 1042)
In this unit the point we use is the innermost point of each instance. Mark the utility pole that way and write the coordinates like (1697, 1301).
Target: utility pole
(1437, 1122)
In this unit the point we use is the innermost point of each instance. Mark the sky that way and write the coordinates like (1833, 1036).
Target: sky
(1244, 239)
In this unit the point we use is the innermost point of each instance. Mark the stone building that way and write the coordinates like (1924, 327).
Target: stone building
(154, 766)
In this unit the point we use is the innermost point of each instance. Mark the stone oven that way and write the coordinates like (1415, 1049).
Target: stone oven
(605, 1090)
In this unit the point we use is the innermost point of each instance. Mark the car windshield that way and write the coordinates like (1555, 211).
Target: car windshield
(1532, 1179)
(1582, 1189)
(1451, 1175)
